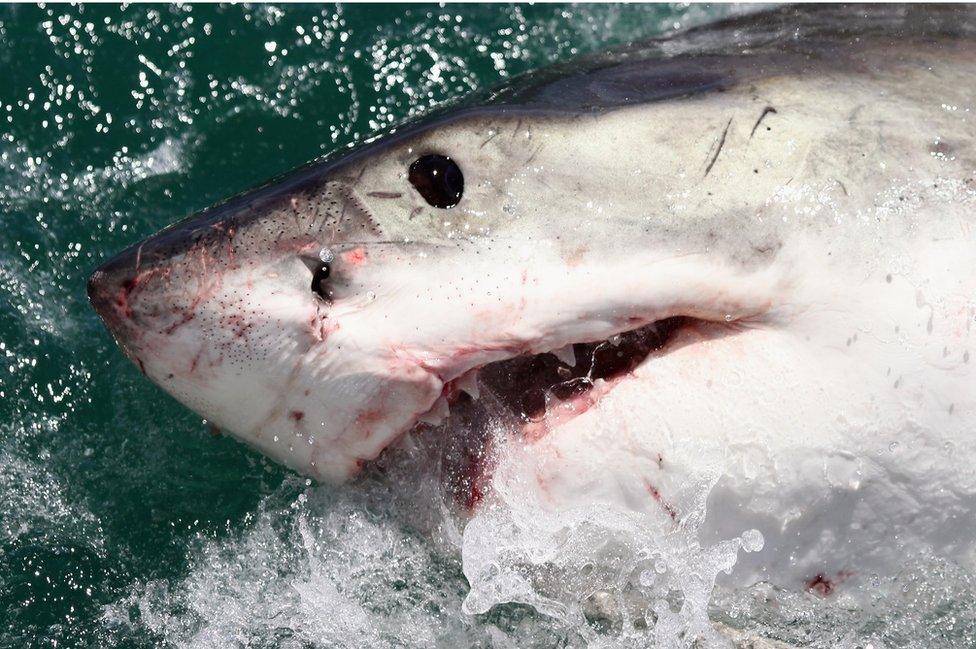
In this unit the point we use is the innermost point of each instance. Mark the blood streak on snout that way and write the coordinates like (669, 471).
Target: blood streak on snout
(123, 299)
(239, 325)
(189, 312)
(229, 231)
(195, 361)
(367, 419)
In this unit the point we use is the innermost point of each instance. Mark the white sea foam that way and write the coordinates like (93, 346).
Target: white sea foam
(386, 563)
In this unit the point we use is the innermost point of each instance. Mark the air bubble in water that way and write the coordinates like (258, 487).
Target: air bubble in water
(752, 541)
(646, 578)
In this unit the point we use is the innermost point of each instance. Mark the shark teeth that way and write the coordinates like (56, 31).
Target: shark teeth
(565, 354)
(468, 382)
(437, 414)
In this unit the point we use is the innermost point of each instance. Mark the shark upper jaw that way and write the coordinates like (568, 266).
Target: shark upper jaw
(530, 396)
(558, 337)
(543, 388)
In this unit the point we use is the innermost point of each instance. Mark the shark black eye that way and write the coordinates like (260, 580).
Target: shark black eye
(320, 281)
(438, 179)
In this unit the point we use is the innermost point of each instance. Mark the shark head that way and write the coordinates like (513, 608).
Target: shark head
(322, 316)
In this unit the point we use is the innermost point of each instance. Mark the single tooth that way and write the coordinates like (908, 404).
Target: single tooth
(437, 414)
(566, 355)
(469, 383)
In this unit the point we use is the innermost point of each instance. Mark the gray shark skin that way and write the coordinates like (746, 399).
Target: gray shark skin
(745, 250)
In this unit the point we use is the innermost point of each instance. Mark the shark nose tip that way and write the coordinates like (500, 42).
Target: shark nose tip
(105, 285)
(96, 282)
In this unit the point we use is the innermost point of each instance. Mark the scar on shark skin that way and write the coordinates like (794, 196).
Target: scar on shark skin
(766, 111)
(490, 138)
(659, 499)
(718, 148)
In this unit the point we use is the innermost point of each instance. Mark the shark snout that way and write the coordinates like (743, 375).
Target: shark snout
(140, 291)
(109, 291)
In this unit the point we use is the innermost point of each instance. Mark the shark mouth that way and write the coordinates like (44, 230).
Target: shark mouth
(529, 396)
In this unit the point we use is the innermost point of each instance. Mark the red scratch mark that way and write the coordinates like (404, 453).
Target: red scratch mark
(824, 586)
(130, 286)
(820, 585)
(576, 257)
(659, 499)
(355, 257)
(187, 316)
(370, 416)
(367, 419)
(122, 299)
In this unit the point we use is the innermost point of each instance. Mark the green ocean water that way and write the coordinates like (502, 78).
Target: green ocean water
(115, 121)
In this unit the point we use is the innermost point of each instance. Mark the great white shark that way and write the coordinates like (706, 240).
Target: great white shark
(747, 249)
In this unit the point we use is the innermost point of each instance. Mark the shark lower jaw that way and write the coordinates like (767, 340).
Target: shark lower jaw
(531, 396)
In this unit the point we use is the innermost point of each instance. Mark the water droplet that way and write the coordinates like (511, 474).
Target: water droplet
(370, 296)
(728, 317)
(752, 541)
(326, 256)
(660, 566)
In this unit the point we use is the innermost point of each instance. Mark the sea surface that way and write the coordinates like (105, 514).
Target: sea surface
(124, 522)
